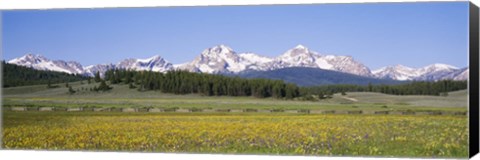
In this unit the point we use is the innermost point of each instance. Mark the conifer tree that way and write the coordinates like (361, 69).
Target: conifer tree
(97, 77)
(103, 86)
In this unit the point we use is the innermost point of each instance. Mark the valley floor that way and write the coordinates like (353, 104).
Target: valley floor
(236, 133)
(123, 97)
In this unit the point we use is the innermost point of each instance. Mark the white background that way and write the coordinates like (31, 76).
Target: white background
(54, 155)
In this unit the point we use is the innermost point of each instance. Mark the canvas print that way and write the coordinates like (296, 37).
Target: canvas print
(367, 79)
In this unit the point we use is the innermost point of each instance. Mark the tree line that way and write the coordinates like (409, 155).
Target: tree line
(438, 88)
(184, 82)
(15, 75)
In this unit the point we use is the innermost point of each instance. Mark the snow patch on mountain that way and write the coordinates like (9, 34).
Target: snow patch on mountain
(155, 63)
(301, 56)
(431, 72)
(222, 59)
(41, 63)
(397, 72)
(462, 75)
(100, 68)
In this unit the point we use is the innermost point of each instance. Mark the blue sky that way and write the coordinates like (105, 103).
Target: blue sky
(376, 34)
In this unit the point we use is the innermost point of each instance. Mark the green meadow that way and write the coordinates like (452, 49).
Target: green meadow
(280, 133)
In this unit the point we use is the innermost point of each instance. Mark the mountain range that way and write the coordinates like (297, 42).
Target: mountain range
(431, 72)
(222, 59)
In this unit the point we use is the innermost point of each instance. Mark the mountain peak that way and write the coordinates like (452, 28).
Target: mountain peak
(299, 46)
(154, 63)
(399, 66)
(218, 49)
(41, 63)
(153, 58)
(222, 46)
(29, 58)
(441, 66)
(30, 55)
(298, 51)
(156, 57)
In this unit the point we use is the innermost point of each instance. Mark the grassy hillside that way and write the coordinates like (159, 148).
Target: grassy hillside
(122, 96)
(456, 98)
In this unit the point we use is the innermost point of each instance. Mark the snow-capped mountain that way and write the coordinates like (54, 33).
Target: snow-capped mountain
(155, 63)
(301, 56)
(223, 59)
(431, 72)
(100, 68)
(218, 59)
(436, 71)
(461, 74)
(41, 63)
(397, 72)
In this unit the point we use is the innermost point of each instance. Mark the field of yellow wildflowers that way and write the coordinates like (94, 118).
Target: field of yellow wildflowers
(284, 134)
